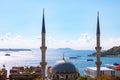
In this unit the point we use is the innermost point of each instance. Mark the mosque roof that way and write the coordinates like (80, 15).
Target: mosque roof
(63, 67)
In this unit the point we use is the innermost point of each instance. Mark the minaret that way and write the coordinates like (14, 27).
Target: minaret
(43, 48)
(98, 48)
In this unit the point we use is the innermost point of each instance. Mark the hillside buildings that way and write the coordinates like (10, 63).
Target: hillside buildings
(3, 73)
(24, 73)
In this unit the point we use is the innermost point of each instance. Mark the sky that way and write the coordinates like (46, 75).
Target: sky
(69, 23)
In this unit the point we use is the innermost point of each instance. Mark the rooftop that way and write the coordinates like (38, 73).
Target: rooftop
(102, 68)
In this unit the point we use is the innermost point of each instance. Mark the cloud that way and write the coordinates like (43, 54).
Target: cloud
(8, 41)
(84, 41)
(110, 42)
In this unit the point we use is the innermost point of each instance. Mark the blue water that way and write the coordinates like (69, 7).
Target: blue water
(33, 58)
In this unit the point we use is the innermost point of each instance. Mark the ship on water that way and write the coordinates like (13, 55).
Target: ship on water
(7, 54)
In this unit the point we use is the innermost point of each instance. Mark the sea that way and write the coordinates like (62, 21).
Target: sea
(33, 58)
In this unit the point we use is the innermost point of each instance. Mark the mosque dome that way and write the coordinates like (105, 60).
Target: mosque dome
(63, 66)
(63, 69)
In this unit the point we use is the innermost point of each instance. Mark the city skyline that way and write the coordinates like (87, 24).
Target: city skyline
(68, 23)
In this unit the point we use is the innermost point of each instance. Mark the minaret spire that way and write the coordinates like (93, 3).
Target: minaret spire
(43, 23)
(98, 25)
(98, 48)
(43, 48)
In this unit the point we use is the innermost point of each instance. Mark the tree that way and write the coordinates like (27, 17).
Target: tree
(85, 78)
(37, 79)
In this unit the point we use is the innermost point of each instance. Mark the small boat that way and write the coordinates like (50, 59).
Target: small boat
(7, 54)
(89, 59)
(73, 57)
(78, 56)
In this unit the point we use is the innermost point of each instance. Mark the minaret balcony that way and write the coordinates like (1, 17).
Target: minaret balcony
(43, 48)
(43, 63)
(98, 63)
(98, 48)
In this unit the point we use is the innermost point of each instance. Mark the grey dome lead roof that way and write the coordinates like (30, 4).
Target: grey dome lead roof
(63, 66)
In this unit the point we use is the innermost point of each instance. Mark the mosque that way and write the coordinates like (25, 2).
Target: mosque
(62, 69)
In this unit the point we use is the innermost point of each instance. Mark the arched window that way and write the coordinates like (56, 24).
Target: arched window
(57, 76)
(74, 76)
(66, 76)
(71, 76)
(53, 76)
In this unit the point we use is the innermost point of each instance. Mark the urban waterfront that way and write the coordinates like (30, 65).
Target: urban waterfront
(33, 58)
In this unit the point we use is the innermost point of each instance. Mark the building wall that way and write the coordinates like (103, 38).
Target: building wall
(72, 76)
(3, 75)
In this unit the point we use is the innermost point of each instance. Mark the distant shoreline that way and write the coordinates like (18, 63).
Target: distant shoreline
(112, 52)
(15, 50)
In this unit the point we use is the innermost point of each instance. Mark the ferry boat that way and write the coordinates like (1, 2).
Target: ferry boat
(111, 70)
(7, 54)
(72, 57)
(89, 59)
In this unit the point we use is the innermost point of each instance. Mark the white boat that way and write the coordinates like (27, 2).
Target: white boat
(111, 70)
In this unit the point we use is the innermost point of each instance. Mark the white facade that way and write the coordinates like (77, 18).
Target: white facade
(92, 72)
